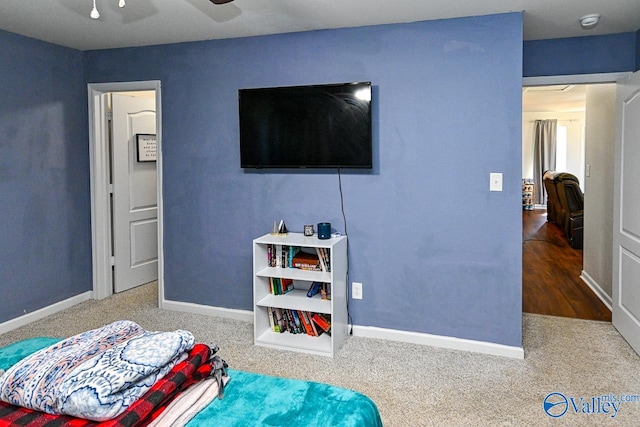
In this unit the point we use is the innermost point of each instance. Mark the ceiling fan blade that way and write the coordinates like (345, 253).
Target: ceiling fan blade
(221, 1)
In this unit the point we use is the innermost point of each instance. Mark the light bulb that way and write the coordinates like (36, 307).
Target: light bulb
(94, 12)
(122, 3)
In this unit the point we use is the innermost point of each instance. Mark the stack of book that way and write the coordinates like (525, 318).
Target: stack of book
(306, 261)
(293, 257)
(278, 286)
(281, 255)
(299, 322)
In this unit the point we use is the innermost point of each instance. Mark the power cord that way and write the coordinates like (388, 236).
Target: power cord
(344, 219)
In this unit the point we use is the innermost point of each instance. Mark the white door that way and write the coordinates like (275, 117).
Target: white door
(135, 211)
(626, 220)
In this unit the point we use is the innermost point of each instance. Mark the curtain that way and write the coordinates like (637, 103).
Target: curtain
(544, 155)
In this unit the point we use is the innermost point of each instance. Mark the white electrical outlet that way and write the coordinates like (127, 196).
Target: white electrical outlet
(356, 290)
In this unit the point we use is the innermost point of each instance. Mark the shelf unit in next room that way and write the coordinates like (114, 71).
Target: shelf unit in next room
(334, 309)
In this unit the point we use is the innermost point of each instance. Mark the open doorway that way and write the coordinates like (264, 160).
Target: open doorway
(133, 185)
(557, 278)
(102, 184)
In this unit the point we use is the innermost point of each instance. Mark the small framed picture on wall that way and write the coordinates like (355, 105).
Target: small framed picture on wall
(146, 147)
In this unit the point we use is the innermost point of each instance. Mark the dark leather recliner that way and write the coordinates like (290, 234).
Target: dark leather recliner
(566, 205)
(573, 225)
(553, 204)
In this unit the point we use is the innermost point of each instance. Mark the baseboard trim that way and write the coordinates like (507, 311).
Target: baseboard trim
(24, 320)
(366, 331)
(207, 310)
(600, 293)
(247, 316)
(439, 341)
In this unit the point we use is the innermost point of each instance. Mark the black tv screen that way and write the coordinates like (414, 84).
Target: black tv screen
(319, 126)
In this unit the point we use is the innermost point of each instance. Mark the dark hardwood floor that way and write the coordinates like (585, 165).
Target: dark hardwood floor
(551, 270)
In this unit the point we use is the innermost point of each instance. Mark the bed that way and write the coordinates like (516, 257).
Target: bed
(198, 390)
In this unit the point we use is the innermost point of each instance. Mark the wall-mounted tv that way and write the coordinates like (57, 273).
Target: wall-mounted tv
(317, 126)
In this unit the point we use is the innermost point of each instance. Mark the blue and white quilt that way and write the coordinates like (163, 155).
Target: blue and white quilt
(97, 374)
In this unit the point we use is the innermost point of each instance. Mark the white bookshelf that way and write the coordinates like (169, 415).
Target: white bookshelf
(297, 299)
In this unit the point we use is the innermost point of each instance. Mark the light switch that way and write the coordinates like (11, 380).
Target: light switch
(495, 181)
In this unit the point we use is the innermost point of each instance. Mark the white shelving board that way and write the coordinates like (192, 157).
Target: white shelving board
(336, 307)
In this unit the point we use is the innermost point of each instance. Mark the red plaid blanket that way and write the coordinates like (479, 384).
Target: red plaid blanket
(143, 411)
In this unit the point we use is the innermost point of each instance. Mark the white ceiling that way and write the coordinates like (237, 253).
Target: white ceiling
(149, 22)
(554, 99)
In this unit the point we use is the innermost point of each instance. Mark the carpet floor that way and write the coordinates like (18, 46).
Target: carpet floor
(414, 385)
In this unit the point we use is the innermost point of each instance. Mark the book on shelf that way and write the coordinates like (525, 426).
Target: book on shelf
(276, 324)
(280, 286)
(269, 310)
(298, 322)
(304, 319)
(321, 262)
(287, 285)
(321, 321)
(284, 257)
(316, 331)
(291, 325)
(293, 251)
(306, 261)
(323, 257)
(279, 321)
(281, 255)
(277, 255)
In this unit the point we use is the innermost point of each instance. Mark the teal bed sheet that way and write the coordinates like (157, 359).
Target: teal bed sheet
(13, 353)
(259, 400)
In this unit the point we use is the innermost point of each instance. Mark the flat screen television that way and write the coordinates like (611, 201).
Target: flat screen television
(318, 126)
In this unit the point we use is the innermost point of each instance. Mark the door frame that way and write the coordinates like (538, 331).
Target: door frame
(581, 79)
(99, 173)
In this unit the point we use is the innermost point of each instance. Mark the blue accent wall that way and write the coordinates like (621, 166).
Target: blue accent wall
(45, 234)
(611, 53)
(437, 252)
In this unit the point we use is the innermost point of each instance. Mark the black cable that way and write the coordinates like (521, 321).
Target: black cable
(344, 219)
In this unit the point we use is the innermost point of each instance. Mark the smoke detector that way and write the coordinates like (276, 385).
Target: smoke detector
(589, 21)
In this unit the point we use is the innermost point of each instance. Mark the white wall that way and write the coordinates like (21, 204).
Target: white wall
(574, 121)
(598, 198)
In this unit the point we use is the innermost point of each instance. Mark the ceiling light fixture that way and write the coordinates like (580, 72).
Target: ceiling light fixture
(94, 12)
(589, 21)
